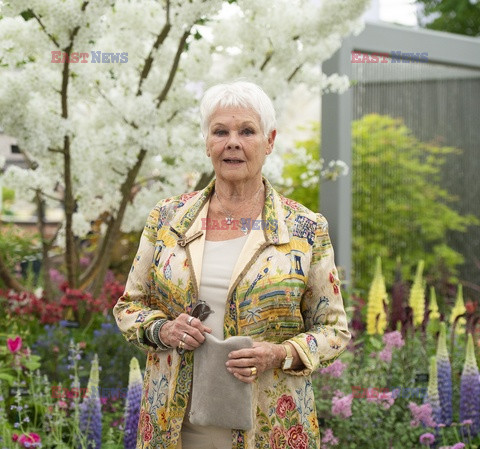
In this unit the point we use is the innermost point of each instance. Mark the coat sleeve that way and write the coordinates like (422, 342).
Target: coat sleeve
(131, 312)
(326, 335)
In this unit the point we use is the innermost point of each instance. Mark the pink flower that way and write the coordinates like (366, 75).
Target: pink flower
(278, 438)
(329, 439)
(62, 404)
(335, 369)
(427, 438)
(385, 354)
(385, 399)
(297, 438)
(14, 437)
(393, 339)
(458, 446)
(84, 261)
(285, 404)
(467, 422)
(14, 344)
(342, 406)
(421, 414)
(30, 440)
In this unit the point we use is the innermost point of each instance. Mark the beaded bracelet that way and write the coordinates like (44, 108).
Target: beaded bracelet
(155, 329)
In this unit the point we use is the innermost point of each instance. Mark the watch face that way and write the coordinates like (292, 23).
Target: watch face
(287, 364)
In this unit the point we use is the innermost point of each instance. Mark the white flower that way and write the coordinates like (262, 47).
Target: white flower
(110, 124)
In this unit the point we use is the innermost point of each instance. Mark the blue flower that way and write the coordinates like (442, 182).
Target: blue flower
(470, 390)
(91, 411)
(132, 409)
(444, 373)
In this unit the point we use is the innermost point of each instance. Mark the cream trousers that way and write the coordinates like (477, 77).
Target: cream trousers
(204, 437)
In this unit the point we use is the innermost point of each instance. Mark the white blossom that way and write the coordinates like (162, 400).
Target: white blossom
(113, 116)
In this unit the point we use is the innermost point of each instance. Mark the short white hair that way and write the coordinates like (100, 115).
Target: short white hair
(238, 94)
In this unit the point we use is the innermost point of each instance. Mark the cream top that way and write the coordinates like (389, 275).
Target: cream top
(219, 259)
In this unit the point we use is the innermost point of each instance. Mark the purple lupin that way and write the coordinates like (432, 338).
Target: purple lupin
(132, 407)
(91, 410)
(444, 374)
(470, 390)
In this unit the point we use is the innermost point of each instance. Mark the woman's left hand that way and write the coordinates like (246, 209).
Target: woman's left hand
(246, 364)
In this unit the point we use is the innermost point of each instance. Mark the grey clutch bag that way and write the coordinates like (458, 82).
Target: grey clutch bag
(218, 398)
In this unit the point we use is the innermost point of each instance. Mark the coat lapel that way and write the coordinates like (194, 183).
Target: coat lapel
(275, 232)
(187, 223)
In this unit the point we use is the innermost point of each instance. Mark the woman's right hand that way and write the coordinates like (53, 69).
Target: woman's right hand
(184, 328)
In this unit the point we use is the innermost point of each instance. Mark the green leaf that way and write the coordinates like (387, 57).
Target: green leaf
(7, 377)
(32, 365)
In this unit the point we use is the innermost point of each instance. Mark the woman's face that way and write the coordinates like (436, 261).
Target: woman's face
(236, 144)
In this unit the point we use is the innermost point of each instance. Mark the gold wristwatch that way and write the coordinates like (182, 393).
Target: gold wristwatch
(288, 361)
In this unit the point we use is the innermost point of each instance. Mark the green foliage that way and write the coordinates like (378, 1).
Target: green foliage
(8, 195)
(302, 170)
(455, 16)
(16, 244)
(399, 206)
(382, 391)
(42, 388)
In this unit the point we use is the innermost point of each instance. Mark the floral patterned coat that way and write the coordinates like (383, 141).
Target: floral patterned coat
(284, 287)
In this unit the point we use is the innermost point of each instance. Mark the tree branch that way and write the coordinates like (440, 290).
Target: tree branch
(268, 57)
(102, 94)
(97, 269)
(69, 200)
(148, 179)
(173, 70)
(54, 150)
(99, 265)
(159, 41)
(47, 282)
(294, 73)
(46, 195)
(50, 36)
(173, 116)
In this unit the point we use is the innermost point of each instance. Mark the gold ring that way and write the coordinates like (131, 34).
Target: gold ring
(253, 371)
(189, 321)
(181, 345)
(185, 335)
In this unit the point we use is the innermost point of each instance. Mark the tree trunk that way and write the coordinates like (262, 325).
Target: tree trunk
(47, 282)
(95, 274)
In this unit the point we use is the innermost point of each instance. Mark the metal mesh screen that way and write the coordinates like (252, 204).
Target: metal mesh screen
(439, 104)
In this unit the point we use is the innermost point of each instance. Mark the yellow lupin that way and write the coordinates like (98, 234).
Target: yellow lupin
(433, 306)
(459, 309)
(416, 299)
(377, 295)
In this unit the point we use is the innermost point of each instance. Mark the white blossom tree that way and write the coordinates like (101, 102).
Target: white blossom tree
(102, 97)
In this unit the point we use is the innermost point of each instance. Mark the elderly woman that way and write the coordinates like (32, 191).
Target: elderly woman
(264, 265)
